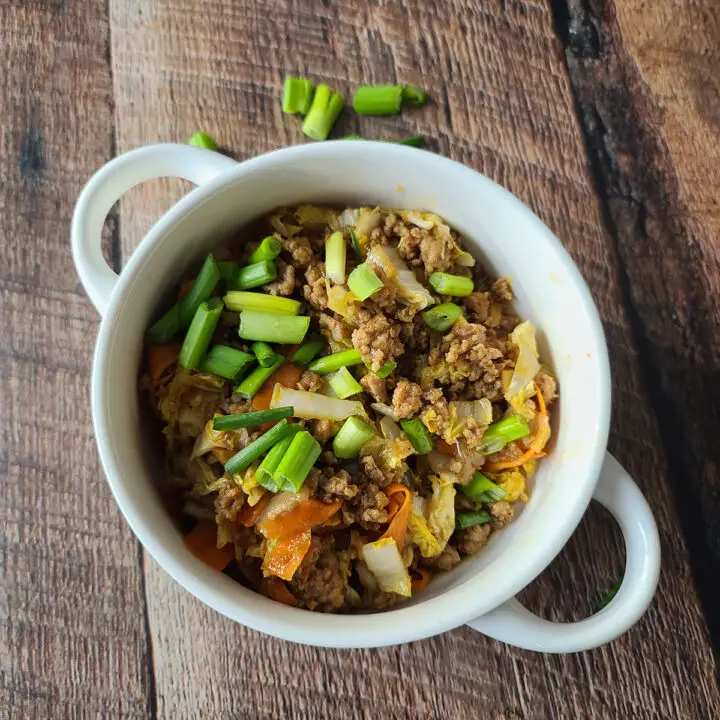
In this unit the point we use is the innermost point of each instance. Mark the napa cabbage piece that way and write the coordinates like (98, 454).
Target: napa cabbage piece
(389, 455)
(390, 429)
(284, 224)
(364, 220)
(204, 480)
(397, 274)
(314, 406)
(540, 429)
(522, 382)
(189, 403)
(440, 230)
(385, 562)
(512, 482)
(316, 218)
(441, 509)
(224, 439)
(461, 410)
(247, 481)
(420, 534)
(341, 300)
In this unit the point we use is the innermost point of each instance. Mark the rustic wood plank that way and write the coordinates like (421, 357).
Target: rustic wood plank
(504, 105)
(72, 629)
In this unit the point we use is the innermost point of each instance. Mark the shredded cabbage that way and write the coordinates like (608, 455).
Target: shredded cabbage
(385, 562)
(310, 405)
(389, 454)
(189, 403)
(400, 276)
(512, 482)
(522, 383)
(420, 533)
(247, 481)
(281, 225)
(460, 411)
(341, 300)
(312, 216)
(204, 479)
(441, 513)
(225, 439)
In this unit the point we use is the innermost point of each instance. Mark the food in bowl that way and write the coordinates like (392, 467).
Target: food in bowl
(348, 405)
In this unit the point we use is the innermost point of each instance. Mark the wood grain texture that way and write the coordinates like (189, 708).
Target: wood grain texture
(504, 105)
(72, 631)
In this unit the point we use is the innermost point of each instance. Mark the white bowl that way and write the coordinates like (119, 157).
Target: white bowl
(511, 241)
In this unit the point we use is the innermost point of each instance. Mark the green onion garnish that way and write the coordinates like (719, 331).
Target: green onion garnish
(202, 288)
(385, 369)
(200, 333)
(447, 284)
(331, 363)
(482, 489)
(264, 353)
(378, 99)
(324, 111)
(238, 300)
(248, 419)
(266, 327)
(250, 453)
(297, 95)
(202, 140)
(166, 327)
(228, 272)
(418, 435)
(270, 462)
(295, 465)
(257, 378)
(344, 384)
(364, 282)
(356, 246)
(499, 434)
(335, 251)
(226, 362)
(466, 520)
(608, 597)
(352, 436)
(268, 249)
(304, 355)
(414, 141)
(442, 317)
(255, 275)
(414, 97)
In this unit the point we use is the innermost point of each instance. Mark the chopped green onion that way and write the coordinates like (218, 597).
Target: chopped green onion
(202, 288)
(442, 317)
(266, 327)
(353, 137)
(414, 97)
(466, 520)
(378, 99)
(352, 436)
(384, 370)
(200, 333)
(250, 453)
(226, 362)
(248, 419)
(364, 282)
(499, 434)
(331, 363)
(228, 272)
(297, 95)
(324, 111)
(268, 249)
(237, 300)
(166, 327)
(447, 284)
(270, 462)
(418, 435)
(255, 275)
(304, 355)
(356, 246)
(608, 597)
(257, 378)
(344, 384)
(295, 465)
(202, 140)
(335, 251)
(414, 141)
(264, 354)
(482, 489)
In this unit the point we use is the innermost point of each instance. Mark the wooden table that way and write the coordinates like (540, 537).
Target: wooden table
(602, 116)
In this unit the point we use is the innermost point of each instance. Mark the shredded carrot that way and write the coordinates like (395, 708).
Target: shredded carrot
(278, 591)
(248, 515)
(160, 358)
(201, 541)
(541, 401)
(444, 447)
(301, 518)
(505, 464)
(284, 555)
(419, 584)
(287, 375)
(399, 505)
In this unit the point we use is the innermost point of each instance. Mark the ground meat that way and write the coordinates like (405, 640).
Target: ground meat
(299, 249)
(547, 385)
(446, 560)
(328, 457)
(314, 290)
(477, 307)
(376, 386)
(489, 386)
(341, 332)
(384, 299)
(331, 485)
(473, 432)
(378, 599)
(435, 413)
(232, 407)
(285, 283)
(319, 583)
(416, 335)
(367, 508)
(473, 539)
(377, 474)
(407, 399)
(322, 430)
(501, 290)
(434, 251)
(502, 513)
(310, 382)
(512, 451)
(377, 341)
(228, 504)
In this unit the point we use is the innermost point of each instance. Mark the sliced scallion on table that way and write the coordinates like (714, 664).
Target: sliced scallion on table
(250, 453)
(378, 99)
(202, 288)
(352, 436)
(264, 353)
(499, 434)
(297, 95)
(226, 362)
(166, 328)
(364, 282)
(442, 317)
(271, 461)
(482, 489)
(202, 140)
(295, 465)
(335, 257)
(331, 363)
(447, 284)
(200, 333)
(255, 275)
(324, 111)
(257, 378)
(228, 272)
(268, 249)
(414, 96)
(466, 520)
(413, 141)
(305, 353)
(266, 327)
(418, 434)
(239, 300)
(356, 246)
(248, 419)
(344, 384)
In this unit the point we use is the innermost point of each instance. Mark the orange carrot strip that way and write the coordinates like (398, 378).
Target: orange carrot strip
(541, 401)
(419, 584)
(201, 541)
(278, 591)
(301, 518)
(160, 358)
(287, 375)
(397, 528)
(505, 464)
(248, 515)
(284, 555)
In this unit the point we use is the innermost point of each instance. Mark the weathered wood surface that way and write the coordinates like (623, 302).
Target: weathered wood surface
(504, 105)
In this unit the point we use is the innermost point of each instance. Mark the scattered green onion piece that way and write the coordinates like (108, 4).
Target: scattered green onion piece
(295, 465)
(414, 141)
(499, 434)
(356, 246)
(255, 275)
(200, 333)
(250, 453)
(447, 284)
(466, 520)
(442, 317)
(364, 282)
(297, 95)
(304, 355)
(202, 288)
(324, 111)
(238, 300)
(353, 137)
(608, 597)
(248, 419)
(270, 462)
(166, 328)
(264, 353)
(482, 489)
(266, 327)
(257, 378)
(228, 272)
(331, 363)
(384, 370)
(352, 436)
(418, 435)
(335, 256)
(344, 384)
(226, 362)
(268, 249)
(378, 100)
(202, 140)
(414, 96)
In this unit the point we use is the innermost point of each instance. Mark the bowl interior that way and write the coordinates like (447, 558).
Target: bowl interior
(504, 235)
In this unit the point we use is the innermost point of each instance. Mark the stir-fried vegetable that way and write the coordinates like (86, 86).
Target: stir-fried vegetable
(304, 355)
(522, 383)
(268, 249)
(257, 378)
(466, 520)
(248, 419)
(295, 465)
(239, 300)
(200, 333)
(335, 250)
(482, 489)
(351, 437)
(271, 461)
(297, 95)
(384, 561)
(201, 542)
(461, 410)
(504, 431)
(226, 362)
(256, 449)
(400, 276)
(268, 327)
(364, 282)
(344, 384)
(331, 363)
(419, 436)
(311, 405)
(400, 505)
(441, 512)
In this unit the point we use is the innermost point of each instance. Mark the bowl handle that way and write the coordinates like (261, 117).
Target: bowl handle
(515, 625)
(106, 187)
